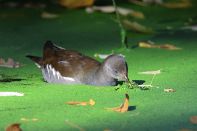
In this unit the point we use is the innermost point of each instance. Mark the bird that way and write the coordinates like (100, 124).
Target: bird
(61, 66)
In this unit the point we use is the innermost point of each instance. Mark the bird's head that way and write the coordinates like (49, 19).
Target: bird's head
(116, 67)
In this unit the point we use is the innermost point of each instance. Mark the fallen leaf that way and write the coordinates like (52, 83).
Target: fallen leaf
(29, 119)
(136, 27)
(47, 15)
(193, 28)
(24, 119)
(153, 1)
(91, 102)
(137, 2)
(193, 119)
(169, 90)
(181, 4)
(34, 119)
(155, 72)
(12, 4)
(169, 47)
(107, 130)
(10, 63)
(14, 127)
(146, 2)
(124, 107)
(184, 129)
(147, 45)
(163, 46)
(111, 9)
(34, 5)
(76, 3)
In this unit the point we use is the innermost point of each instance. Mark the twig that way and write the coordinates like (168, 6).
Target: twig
(123, 32)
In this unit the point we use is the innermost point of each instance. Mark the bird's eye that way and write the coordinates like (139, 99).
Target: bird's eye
(116, 71)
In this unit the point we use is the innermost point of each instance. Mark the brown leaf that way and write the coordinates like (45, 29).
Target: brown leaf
(10, 63)
(107, 130)
(169, 90)
(184, 129)
(163, 46)
(2, 61)
(147, 45)
(91, 102)
(47, 15)
(111, 9)
(124, 107)
(169, 47)
(14, 127)
(76, 3)
(181, 4)
(136, 27)
(193, 119)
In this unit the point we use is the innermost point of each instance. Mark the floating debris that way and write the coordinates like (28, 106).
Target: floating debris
(169, 90)
(111, 9)
(10, 63)
(11, 94)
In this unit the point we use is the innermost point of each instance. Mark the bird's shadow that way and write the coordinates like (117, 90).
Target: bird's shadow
(11, 79)
(139, 82)
(132, 108)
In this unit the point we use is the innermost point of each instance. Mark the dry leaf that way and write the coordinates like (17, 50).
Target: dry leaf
(137, 2)
(124, 107)
(10, 63)
(153, 1)
(47, 15)
(169, 90)
(111, 9)
(14, 127)
(24, 119)
(147, 45)
(27, 119)
(91, 102)
(163, 46)
(181, 4)
(136, 27)
(169, 47)
(76, 3)
(184, 129)
(156, 72)
(34, 119)
(193, 119)
(193, 28)
(107, 130)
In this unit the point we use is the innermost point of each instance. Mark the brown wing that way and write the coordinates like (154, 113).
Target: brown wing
(69, 63)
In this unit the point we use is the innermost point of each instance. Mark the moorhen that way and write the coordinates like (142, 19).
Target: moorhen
(59, 65)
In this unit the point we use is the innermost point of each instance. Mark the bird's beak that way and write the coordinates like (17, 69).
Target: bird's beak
(127, 80)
